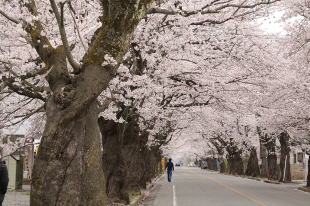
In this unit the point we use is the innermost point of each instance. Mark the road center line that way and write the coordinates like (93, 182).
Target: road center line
(174, 197)
(234, 191)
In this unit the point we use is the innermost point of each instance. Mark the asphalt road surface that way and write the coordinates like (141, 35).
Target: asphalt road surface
(195, 187)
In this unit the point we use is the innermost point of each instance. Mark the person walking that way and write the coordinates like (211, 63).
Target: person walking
(169, 168)
(4, 180)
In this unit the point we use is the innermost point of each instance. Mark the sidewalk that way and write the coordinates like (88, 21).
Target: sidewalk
(22, 198)
(15, 198)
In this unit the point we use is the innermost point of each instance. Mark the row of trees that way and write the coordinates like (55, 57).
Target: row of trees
(118, 83)
(271, 99)
(242, 156)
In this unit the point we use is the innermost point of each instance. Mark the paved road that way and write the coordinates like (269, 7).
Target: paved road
(194, 187)
(13, 198)
(17, 199)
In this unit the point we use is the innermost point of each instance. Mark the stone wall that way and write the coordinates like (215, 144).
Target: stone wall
(298, 172)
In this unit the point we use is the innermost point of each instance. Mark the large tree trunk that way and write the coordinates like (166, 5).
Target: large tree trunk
(134, 154)
(67, 171)
(127, 161)
(112, 162)
(220, 145)
(272, 165)
(263, 156)
(272, 158)
(285, 168)
(222, 165)
(150, 162)
(253, 167)
(235, 164)
(212, 164)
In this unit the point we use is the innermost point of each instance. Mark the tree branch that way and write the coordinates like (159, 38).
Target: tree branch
(60, 21)
(27, 84)
(162, 11)
(115, 24)
(27, 116)
(39, 42)
(72, 12)
(16, 21)
(204, 9)
(192, 104)
(21, 91)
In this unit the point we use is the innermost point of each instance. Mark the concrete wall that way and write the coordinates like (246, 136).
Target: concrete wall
(11, 165)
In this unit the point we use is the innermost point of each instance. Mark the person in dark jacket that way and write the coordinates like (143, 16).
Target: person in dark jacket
(169, 168)
(4, 180)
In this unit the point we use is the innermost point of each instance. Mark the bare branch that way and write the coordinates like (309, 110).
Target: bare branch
(16, 21)
(27, 84)
(162, 11)
(72, 12)
(21, 147)
(9, 82)
(60, 21)
(192, 104)
(35, 73)
(27, 116)
(219, 6)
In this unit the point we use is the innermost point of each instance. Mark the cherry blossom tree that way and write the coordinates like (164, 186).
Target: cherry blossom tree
(57, 57)
(42, 29)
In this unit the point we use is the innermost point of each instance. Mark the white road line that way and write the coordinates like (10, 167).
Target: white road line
(174, 197)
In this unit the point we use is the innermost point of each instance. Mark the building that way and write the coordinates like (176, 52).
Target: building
(14, 164)
(19, 159)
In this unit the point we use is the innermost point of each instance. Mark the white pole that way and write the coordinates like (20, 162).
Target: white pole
(306, 165)
(284, 168)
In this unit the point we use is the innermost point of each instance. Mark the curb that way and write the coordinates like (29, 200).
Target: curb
(146, 191)
(141, 198)
(304, 189)
(136, 202)
(254, 178)
(272, 182)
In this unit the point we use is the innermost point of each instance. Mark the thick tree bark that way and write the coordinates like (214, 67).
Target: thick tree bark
(151, 158)
(272, 158)
(285, 167)
(272, 165)
(127, 162)
(112, 162)
(263, 156)
(223, 168)
(253, 167)
(68, 171)
(212, 165)
(235, 164)
(220, 145)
